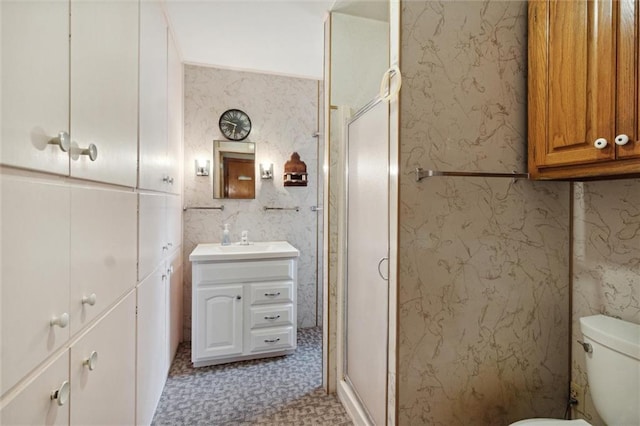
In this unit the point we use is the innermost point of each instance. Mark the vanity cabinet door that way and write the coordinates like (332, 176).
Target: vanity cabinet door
(35, 84)
(104, 90)
(218, 328)
(103, 365)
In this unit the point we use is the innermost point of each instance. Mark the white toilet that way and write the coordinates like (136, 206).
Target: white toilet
(612, 349)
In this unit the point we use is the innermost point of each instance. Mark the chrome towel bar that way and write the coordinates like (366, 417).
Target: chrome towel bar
(265, 208)
(185, 208)
(423, 174)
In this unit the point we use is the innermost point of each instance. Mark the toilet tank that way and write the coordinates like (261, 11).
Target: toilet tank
(613, 368)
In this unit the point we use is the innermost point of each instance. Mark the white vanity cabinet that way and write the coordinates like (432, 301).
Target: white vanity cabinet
(244, 302)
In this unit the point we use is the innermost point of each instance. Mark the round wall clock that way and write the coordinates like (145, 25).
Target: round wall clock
(234, 124)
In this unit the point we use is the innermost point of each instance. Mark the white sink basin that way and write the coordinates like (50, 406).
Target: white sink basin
(257, 250)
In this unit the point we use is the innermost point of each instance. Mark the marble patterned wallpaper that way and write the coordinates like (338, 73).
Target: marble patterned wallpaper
(483, 296)
(284, 115)
(606, 271)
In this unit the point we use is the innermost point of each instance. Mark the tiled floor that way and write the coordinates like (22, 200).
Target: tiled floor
(274, 391)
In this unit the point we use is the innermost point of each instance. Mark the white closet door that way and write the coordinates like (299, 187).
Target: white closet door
(153, 98)
(34, 241)
(103, 250)
(367, 292)
(104, 90)
(35, 84)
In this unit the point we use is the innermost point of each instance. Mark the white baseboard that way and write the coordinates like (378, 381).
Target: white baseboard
(352, 405)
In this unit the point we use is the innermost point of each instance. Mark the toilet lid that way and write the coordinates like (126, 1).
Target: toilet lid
(551, 422)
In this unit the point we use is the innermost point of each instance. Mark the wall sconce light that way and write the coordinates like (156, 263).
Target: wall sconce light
(202, 167)
(266, 170)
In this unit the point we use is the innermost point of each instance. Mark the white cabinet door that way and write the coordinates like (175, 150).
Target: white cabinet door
(153, 97)
(35, 274)
(151, 368)
(175, 313)
(104, 90)
(218, 328)
(174, 157)
(103, 250)
(102, 385)
(33, 405)
(174, 221)
(152, 228)
(35, 84)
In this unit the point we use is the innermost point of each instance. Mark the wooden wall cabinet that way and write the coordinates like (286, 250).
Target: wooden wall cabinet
(583, 89)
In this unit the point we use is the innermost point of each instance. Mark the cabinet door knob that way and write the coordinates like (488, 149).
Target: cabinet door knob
(62, 140)
(92, 361)
(622, 139)
(238, 297)
(166, 179)
(272, 294)
(272, 340)
(91, 151)
(89, 300)
(62, 321)
(61, 395)
(601, 143)
(170, 180)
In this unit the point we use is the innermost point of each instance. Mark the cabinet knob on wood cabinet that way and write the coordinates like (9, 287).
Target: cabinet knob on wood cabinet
(91, 151)
(92, 361)
(238, 297)
(89, 300)
(61, 395)
(622, 139)
(62, 140)
(62, 321)
(601, 143)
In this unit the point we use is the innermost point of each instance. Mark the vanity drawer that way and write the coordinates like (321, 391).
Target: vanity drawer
(263, 293)
(238, 272)
(275, 316)
(272, 340)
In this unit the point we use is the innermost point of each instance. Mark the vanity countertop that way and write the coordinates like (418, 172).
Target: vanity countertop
(236, 251)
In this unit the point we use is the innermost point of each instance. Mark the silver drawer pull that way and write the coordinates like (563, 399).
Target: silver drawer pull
(586, 346)
(272, 340)
(272, 294)
(272, 318)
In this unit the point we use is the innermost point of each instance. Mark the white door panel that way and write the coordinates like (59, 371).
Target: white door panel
(153, 97)
(34, 406)
(152, 228)
(367, 244)
(151, 367)
(35, 84)
(35, 274)
(103, 250)
(111, 379)
(104, 90)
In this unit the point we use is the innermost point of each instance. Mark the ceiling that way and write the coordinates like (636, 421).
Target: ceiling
(283, 37)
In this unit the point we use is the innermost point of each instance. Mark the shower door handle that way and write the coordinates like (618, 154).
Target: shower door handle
(380, 271)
